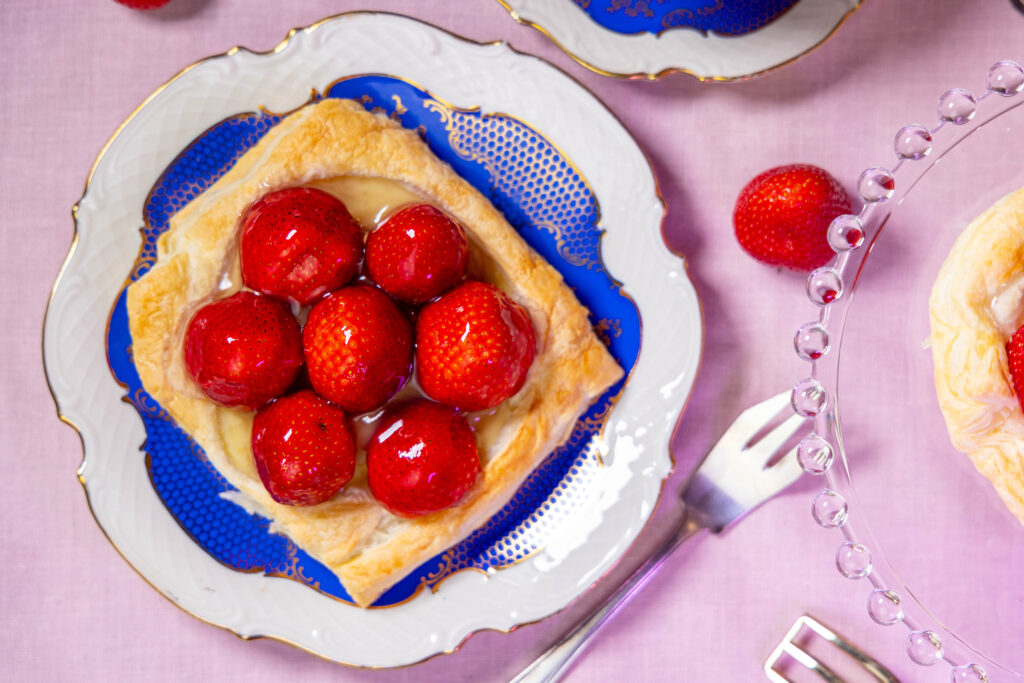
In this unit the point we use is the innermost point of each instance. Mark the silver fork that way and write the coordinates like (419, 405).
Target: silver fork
(735, 477)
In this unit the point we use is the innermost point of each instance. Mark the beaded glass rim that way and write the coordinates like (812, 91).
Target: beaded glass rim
(918, 148)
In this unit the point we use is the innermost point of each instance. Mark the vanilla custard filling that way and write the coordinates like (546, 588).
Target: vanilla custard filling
(369, 201)
(1007, 306)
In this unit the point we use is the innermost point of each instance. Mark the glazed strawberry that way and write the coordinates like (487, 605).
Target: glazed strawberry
(299, 244)
(304, 449)
(417, 253)
(421, 459)
(782, 216)
(474, 346)
(358, 348)
(1015, 357)
(243, 350)
(143, 4)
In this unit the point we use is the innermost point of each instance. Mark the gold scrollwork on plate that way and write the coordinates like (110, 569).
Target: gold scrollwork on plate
(447, 566)
(294, 569)
(685, 16)
(607, 329)
(145, 404)
(632, 8)
(565, 249)
(458, 139)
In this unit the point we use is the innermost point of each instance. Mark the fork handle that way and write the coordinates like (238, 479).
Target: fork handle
(550, 666)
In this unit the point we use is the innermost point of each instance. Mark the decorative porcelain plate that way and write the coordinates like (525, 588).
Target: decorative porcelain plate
(522, 132)
(714, 40)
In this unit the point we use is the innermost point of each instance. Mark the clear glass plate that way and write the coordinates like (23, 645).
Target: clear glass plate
(146, 166)
(926, 539)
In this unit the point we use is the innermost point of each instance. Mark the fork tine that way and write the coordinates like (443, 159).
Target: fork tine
(747, 425)
(773, 441)
(781, 474)
(733, 478)
(765, 410)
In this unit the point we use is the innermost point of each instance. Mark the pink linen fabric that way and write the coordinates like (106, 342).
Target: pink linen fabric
(73, 610)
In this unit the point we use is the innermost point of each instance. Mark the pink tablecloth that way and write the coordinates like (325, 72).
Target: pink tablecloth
(71, 72)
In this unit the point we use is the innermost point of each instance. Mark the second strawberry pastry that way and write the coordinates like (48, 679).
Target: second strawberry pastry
(976, 316)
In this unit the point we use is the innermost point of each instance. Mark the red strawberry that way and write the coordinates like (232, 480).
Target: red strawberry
(299, 244)
(1015, 356)
(243, 350)
(473, 347)
(782, 216)
(143, 4)
(303, 448)
(421, 459)
(417, 253)
(358, 348)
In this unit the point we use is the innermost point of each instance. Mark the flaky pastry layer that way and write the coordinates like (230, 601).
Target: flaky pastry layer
(972, 376)
(366, 546)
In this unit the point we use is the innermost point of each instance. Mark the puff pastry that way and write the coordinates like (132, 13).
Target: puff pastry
(367, 547)
(976, 304)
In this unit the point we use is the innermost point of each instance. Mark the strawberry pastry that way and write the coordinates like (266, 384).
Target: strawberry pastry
(361, 343)
(976, 312)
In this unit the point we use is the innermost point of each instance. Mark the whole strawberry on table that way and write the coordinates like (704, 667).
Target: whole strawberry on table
(782, 216)
(143, 4)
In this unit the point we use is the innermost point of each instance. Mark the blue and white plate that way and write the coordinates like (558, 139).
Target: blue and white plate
(713, 40)
(725, 17)
(593, 211)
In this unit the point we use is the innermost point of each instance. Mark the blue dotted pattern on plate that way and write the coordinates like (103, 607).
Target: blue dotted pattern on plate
(547, 201)
(727, 17)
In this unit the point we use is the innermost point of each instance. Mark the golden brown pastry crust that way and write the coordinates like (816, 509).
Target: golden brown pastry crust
(972, 376)
(367, 547)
